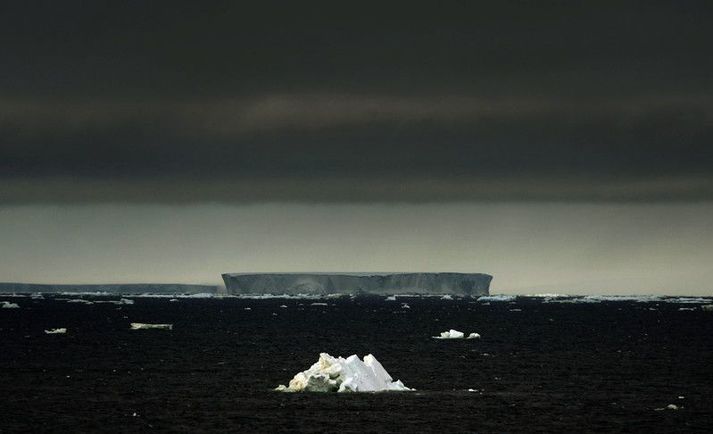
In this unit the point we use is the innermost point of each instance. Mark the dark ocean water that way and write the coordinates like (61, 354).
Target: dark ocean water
(548, 367)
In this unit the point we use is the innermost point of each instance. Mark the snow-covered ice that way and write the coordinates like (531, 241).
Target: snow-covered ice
(144, 326)
(337, 374)
(455, 334)
(450, 334)
(57, 331)
(496, 298)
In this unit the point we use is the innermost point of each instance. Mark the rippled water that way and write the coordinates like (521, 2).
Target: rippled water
(539, 366)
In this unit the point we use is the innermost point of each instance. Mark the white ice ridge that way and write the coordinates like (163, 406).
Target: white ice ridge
(8, 305)
(58, 331)
(455, 334)
(337, 374)
(143, 326)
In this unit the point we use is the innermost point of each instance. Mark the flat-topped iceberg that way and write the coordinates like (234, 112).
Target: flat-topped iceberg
(455, 334)
(337, 374)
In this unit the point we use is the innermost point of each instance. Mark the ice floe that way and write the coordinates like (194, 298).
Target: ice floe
(144, 326)
(8, 305)
(390, 298)
(447, 297)
(707, 307)
(501, 297)
(455, 334)
(79, 300)
(57, 331)
(337, 374)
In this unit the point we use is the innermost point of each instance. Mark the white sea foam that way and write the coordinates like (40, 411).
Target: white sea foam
(337, 374)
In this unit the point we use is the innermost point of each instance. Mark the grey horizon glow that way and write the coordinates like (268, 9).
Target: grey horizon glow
(529, 248)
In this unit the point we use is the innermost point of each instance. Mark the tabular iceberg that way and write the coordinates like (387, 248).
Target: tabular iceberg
(337, 374)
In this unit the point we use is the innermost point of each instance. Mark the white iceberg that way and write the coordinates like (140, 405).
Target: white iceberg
(337, 374)
(8, 305)
(390, 298)
(451, 334)
(455, 334)
(447, 297)
(143, 326)
(57, 331)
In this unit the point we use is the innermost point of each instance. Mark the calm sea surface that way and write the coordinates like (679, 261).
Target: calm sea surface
(539, 366)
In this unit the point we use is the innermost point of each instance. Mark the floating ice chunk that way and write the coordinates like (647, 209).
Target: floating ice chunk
(668, 407)
(318, 304)
(405, 306)
(337, 374)
(473, 336)
(173, 300)
(707, 307)
(284, 306)
(8, 305)
(450, 334)
(686, 308)
(143, 326)
(391, 298)
(248, 308)
(496, 298)
(80, 300)
(57, 331)
(447, 297)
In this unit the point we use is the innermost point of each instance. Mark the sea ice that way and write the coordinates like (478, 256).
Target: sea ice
(391, 298)
(455, 334)
(57, 331)
(450, 334)
(80, 300)
(707, 307)
(496, 298)
(143, 326)
(447, 297)
(8, 305)
(337, 374)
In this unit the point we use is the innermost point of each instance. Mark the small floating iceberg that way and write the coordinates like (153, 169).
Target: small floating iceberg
(8, 305)
(57, 331)
(455, 334)
(337, 374)
(451, 334)
(143, 326)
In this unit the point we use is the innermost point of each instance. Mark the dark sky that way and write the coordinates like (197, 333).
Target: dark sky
(219, 101)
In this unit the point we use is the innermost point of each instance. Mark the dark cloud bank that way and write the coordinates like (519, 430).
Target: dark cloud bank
(183, 102)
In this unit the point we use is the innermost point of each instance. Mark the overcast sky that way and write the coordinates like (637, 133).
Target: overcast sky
(139, 106)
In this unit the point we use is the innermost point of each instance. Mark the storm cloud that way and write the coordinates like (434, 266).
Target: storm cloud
(185, 102)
